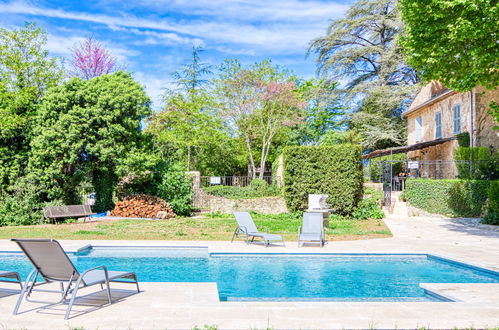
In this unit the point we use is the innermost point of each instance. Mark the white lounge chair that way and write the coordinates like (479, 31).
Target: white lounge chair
(246, 227)
(312, 229)
(53, 265)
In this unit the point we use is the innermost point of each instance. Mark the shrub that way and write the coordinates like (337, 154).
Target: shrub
(458, 198)
(333, 170)
(492, 214)
(485, 164)
(22, 206)
(252, 191)
(259, 184)
(175, 187)
(463, 139)
(374, 170)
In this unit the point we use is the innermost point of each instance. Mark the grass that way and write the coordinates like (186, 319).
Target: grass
(213, 227)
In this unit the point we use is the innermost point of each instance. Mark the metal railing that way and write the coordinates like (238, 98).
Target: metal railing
(431, 169)
(239, 181)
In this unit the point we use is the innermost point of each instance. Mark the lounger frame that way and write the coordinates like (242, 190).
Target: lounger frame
(68, 286)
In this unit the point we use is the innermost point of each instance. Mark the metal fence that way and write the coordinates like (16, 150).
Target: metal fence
(399, 170)
(239, 181)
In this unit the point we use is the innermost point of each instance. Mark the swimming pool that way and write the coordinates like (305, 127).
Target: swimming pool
(292, 277)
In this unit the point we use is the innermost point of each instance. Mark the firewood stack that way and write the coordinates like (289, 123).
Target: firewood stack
(142, 206)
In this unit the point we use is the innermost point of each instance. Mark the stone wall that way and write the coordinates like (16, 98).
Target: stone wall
(266, 205)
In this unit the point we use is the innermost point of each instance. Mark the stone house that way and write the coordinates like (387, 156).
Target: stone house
(438, 114)
(435, 117)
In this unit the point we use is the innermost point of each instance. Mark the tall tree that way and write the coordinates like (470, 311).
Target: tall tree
(26, 72)
(88, 128)
(89, 59)
(362, 50)
(190, 77)
(453, 41)
(258, 101)
(187, 128)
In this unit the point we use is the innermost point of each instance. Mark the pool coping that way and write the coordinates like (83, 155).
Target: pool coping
(441, 296)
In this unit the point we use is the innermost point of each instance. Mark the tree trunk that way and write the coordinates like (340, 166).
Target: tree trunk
(252, 161)
(188, 158)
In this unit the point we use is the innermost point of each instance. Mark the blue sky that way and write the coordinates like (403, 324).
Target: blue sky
(154, 37)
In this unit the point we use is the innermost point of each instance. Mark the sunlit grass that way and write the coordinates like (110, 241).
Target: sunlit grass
(209, 227)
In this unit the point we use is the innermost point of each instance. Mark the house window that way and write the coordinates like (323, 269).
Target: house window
(456, 112)
(419, 128)
(438, 125)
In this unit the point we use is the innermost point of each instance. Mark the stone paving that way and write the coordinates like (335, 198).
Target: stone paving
(186, 305)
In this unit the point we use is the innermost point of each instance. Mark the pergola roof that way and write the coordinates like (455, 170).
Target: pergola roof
(404, 149)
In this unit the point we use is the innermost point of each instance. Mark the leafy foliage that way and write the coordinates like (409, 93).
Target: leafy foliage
(258, 102)
(477, 163)
(333, 170)
(375, 167)
(453, 41)
(492, 214)
(87, 128)
(176, 188)
(254, 190)
(458, 198)
(20, 205)
(362, 48)
(26, 72)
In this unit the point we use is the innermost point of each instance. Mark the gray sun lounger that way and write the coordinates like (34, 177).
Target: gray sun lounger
(246, 227)
(53, 265)
(12, 276)
(312, 229)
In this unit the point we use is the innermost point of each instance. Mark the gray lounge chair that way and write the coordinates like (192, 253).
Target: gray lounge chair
(53, 265)
(13, 276)
(246, 227)
(312, 229)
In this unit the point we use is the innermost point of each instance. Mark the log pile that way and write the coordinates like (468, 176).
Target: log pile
(142, 206)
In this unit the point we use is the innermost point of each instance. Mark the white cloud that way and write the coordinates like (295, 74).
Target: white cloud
(283, 26)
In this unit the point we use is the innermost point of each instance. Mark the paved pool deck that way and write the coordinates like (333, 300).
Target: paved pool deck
(186, 305)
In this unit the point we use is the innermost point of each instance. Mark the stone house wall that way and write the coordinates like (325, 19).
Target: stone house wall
(483, 123)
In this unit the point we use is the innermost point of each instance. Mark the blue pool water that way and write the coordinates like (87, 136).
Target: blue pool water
(280, 277)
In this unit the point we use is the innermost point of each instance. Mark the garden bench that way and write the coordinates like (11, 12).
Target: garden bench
(67, 211)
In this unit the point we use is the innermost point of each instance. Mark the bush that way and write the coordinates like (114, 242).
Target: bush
(463, 139)
(485, 163)
(458, 198)
(259, 184)
(22, 206)
(254, 190)
(374, 170)
(175, 187)
(492, 214)
(333, 170)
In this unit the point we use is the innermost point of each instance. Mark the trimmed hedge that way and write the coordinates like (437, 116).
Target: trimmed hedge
(257, 188)
(492, 216)
(333, 170)
(456, 198)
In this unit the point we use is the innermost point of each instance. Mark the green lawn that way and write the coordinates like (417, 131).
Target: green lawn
(212, 227)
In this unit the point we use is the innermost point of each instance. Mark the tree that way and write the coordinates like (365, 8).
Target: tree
(453, 41)
(258, 101)
(189, 78)
(88, 129)
(90, 59)
(362, 50)
(26, 72)
(323, 111)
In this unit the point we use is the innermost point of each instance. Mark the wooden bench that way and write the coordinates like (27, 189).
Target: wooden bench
(67, 211)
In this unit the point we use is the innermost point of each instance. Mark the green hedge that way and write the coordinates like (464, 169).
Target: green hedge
(257, 188)
(492, 216)
(457, 198)
(333, 170)
(485, 163)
